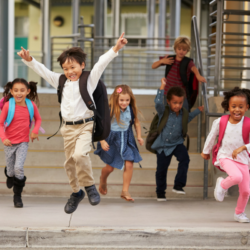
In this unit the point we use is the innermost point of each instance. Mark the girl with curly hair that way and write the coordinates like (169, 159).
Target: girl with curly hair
(119, 150)
(231, 153)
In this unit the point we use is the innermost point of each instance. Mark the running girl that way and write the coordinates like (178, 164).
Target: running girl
(15, 122)
(119, 150)
(230, 154)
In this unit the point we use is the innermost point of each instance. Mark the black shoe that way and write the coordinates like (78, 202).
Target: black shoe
(161, 197)
(18, 201)
(178, 190)
(73, 202)
(9, 181)
(93, 195)
(18, 189)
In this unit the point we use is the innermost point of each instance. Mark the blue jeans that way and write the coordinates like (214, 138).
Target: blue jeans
(163, 162)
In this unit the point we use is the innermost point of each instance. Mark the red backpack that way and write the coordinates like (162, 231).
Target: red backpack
(223, 125)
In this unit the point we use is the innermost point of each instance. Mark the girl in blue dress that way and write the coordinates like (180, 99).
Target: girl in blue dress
(119, 150)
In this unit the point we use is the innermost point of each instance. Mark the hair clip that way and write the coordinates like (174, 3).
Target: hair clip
(119, 90)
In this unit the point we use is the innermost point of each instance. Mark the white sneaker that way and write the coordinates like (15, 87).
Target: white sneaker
(241, 218)
(219, 192)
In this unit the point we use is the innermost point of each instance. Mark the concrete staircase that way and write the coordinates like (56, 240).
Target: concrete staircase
(44, 163)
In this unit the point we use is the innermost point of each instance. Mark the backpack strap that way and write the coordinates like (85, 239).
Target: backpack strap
(246, 129)
(87, 99)
(11, 112)
(62, 80)
(223, 125)
(163, 120)
(30, 108)
(168, 67)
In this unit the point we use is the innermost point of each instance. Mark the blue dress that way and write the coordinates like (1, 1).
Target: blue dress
(122, 145)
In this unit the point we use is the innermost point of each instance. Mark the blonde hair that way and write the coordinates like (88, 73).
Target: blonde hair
(114, 102)
(182, 41)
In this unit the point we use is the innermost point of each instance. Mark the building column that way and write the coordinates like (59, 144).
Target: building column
(11, 39)
(151, 21)
(99, 7)
(4, 42)
(248, 49)
(197, 12)
(46, 49)
(175, 18)
(116, 9)
(162, 21)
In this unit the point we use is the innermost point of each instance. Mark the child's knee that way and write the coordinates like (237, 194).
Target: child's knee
(245, 193)
(236, 179)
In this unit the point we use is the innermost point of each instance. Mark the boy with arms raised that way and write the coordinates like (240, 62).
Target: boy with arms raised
(77, 118)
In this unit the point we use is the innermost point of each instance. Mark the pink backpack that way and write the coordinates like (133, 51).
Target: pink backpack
(223, 124)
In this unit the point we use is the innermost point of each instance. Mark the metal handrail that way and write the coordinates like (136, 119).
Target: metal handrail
(205, 98)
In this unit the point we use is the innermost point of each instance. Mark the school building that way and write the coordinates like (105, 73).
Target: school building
(46, 27)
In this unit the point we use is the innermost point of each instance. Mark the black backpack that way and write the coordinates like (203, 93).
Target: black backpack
(191, 84)
(157, 126)
(101, 128)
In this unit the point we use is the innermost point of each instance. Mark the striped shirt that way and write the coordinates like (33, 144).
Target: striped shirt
(174, 77)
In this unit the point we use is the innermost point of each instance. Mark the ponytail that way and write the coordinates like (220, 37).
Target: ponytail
(6, 94)
(33, 96)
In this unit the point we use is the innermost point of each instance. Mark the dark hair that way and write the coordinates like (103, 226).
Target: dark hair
(33, 96)
(235, 92)
(177, 91)
(72, 54)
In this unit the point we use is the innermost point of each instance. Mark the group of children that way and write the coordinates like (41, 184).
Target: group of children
(119, 150)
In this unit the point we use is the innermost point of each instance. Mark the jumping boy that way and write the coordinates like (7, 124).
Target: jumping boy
(175, 65)
(170, 140)
(77, 119)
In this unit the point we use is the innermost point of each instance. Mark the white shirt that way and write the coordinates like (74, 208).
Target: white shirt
(73, 107)
(232, 140)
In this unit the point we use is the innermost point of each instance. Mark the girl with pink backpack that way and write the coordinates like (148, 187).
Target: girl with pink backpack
(231, 153)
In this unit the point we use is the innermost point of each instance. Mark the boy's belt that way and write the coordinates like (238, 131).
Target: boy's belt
(79, 122)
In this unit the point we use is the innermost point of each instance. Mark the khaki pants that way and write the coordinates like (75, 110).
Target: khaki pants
(77, 145)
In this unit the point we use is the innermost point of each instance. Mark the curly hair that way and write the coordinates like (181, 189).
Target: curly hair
(177, 91)
(236, 91)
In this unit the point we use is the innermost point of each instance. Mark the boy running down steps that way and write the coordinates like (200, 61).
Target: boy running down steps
(77, 137)
(170, 140)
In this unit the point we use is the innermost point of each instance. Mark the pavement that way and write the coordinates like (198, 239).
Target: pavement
(117, 224)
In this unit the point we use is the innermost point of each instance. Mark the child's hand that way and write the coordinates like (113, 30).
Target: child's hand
(201, 108)
(201, 78)
(237, 151)
(163, 83)
(121, 42)
(34, 136)
(25, 54)
(7, 143)
(141, 141)
(205, 156)
(104, 145)
(167, 60)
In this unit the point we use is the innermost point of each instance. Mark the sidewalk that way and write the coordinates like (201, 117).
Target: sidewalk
(114, 222)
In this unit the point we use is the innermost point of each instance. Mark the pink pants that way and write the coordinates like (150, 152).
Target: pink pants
(238, 174)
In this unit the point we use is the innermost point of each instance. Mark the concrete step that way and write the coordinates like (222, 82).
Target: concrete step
(57, 143)
(55, 158)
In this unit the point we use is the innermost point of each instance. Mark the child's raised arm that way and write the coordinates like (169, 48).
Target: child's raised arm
(159, 99)
(49, 76)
